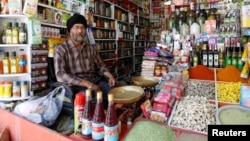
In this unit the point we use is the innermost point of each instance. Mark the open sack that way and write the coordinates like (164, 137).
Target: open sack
(43, 110)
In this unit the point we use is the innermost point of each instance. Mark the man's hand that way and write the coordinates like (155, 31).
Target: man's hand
(95, 87)
(112, 81)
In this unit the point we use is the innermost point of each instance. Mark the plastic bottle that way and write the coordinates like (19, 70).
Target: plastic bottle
(6, 63)
(13, 63)
(111, 125)
(79, 103)
(87, 116)
(98, 119)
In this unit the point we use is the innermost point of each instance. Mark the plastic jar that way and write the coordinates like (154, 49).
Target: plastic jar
(7, 89)
(1, 89)
(16, 89)
(24, 89)
(185, 76)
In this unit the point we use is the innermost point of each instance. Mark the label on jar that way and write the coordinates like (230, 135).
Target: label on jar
(16, 90)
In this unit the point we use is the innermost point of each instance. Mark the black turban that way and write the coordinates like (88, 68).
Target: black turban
(76, 19)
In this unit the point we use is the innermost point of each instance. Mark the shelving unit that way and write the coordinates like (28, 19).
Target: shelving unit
(157, 19)
(50, 28)
(20, 49)
(121, 36)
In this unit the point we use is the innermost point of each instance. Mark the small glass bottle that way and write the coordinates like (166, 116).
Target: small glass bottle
(15, 33)
(9, 33)
(22, 34)
(3, 34)
(13, 63)
(111, 125)
(6, 63)
(87, 116)
(22, 63)
(98, 119)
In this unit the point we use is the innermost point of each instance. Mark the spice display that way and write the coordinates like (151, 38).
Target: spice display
(234, 116)
(150, 131)
(230, 74)
(201, 88)
(201, 72)
(229, 92)
(193, 113)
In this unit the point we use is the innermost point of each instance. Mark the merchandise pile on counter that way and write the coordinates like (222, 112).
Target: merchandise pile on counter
(187, 107)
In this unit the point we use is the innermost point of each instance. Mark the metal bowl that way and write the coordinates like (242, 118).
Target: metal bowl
(127, 94)
(145, 81)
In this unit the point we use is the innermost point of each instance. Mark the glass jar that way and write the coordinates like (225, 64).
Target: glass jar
(96, 7)
(108, 11)
(102, 8)
(98, 22)
(112, 24)
(157, 71)
(106, 23)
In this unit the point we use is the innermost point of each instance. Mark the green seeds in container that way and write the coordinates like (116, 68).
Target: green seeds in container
(150, 131)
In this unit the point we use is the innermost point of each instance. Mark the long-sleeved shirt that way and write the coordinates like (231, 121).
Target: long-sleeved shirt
(73, 64)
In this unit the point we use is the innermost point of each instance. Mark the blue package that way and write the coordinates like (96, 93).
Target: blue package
(245, 95)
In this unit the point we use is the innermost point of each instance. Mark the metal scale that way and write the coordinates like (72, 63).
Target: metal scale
(129, 98)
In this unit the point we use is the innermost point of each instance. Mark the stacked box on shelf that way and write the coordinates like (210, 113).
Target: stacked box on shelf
(148, 67)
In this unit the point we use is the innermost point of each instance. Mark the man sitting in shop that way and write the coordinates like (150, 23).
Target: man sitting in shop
(78, 64)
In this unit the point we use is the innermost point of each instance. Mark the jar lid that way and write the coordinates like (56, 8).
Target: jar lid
(24, 82)
(16, 82)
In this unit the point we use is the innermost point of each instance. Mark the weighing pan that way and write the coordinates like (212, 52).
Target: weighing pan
(145, 81)
(127, 94)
